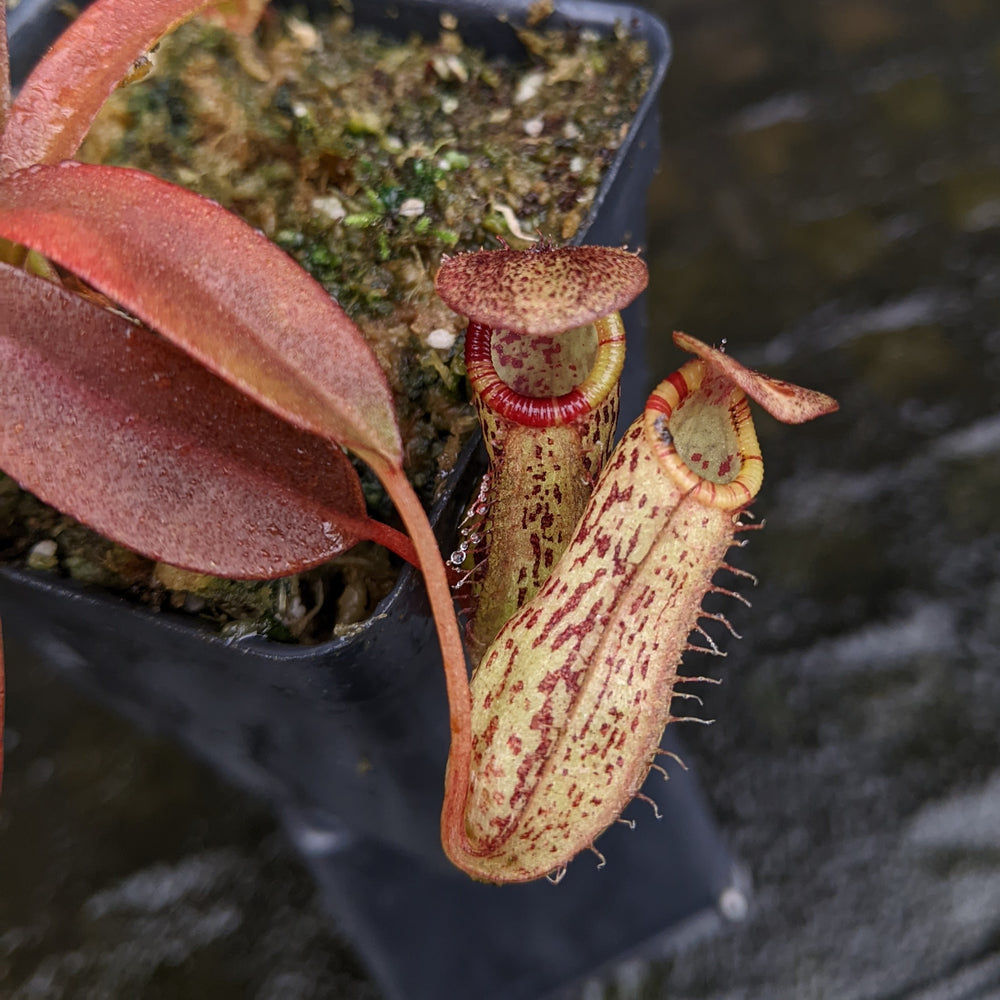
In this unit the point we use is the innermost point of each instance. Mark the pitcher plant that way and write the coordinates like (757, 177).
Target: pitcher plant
(154, 347)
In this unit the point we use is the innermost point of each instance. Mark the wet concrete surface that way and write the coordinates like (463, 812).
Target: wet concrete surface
(830, 205)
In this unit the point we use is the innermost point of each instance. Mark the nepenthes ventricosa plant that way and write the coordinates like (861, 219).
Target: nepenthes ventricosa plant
(571, 697)
(593, 564)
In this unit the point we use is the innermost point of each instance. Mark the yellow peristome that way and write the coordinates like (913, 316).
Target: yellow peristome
(721, 462)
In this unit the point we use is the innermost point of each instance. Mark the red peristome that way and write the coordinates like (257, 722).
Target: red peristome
(530, 411)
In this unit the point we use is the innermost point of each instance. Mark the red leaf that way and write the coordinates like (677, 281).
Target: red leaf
(61, 97)
(120, 429)
(215, 287)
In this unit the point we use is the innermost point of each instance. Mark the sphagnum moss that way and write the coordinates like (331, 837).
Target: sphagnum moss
(365, 158)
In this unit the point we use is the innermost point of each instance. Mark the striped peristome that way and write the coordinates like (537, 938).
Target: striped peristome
(570, 700)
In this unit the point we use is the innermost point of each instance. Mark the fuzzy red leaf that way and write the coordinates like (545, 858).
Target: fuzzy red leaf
(215, 287)
(123, 431)
(59, 100)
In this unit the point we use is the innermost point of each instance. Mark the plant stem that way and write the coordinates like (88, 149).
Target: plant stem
(384, 535)
(456, 673)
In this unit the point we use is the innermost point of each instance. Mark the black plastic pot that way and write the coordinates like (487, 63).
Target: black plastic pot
(348, 739)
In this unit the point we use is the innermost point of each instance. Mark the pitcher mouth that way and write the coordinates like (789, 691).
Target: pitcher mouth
(536, 409)
(699, 425)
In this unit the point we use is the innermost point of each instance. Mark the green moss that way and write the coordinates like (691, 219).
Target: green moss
(417, 142)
